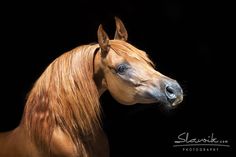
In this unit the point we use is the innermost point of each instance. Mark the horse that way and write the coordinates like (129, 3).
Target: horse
(62, 115)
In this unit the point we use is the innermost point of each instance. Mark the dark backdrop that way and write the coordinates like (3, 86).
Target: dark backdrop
(178, 36)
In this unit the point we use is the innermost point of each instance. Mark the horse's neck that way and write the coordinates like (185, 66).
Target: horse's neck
(60, 144)
(98, 74)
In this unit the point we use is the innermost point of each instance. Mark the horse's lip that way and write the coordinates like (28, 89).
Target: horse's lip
(177, 101)
(165, 101)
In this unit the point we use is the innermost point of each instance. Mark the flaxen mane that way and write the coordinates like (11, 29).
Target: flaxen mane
(64, 96)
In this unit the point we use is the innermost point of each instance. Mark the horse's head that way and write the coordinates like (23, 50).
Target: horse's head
(129, 74)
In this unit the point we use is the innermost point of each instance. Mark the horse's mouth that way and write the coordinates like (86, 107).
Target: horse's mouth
(163, 100)
(167, 103)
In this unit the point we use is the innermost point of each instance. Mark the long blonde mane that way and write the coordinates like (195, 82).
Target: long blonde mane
(64, 96)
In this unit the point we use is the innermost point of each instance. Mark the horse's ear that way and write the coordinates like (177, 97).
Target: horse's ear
(103, 39)
(121, 32)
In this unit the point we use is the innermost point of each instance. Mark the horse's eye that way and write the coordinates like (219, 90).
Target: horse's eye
(121, 69)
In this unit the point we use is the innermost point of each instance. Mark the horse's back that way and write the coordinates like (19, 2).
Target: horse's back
(7, 144)
(15, 144)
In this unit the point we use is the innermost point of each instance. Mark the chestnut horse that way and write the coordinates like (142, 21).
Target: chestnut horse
(62, 113)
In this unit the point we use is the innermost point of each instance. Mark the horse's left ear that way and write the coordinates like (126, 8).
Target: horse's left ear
(121, 32)
(103, 40)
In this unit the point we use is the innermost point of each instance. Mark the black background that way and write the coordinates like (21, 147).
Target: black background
(179, 37)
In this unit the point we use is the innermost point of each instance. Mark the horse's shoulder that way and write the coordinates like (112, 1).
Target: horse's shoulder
(61, 145)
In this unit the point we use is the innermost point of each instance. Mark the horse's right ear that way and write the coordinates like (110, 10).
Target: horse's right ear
(121, 32)
(103, 40)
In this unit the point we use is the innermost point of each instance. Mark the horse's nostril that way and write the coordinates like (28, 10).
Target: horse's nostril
(170, 92)
(169, 89)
